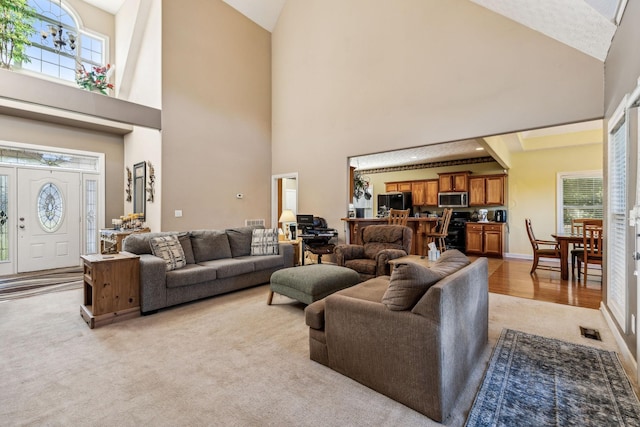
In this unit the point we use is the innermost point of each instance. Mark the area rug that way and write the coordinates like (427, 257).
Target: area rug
(24, 285)
(537, 381)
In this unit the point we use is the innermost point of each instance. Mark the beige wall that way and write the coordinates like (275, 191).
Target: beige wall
(358, 77)
(139, 34)
(216, 116)
(533, 190)
(97, 20)
(143, 145)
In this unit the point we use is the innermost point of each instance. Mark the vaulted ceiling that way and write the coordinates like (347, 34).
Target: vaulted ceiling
(585, 25)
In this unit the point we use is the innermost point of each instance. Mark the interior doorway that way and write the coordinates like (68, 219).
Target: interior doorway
(284, 195)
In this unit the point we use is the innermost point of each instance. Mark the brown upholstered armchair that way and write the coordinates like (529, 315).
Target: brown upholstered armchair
(380, 243)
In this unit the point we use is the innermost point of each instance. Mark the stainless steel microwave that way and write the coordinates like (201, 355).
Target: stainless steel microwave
(453, 200)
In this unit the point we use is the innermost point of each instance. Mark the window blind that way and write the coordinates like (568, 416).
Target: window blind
(616, 239)
(581, 198)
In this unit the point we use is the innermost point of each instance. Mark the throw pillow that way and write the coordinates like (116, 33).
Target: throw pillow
(209, 245)
(170, 250)
(409, 282)
(264, 241)
(449, 262)
(240, 240)
(185, 242)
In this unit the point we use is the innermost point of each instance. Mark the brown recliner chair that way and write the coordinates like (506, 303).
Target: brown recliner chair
(380, 243)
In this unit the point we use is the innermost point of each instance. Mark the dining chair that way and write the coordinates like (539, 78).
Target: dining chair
(539, 250)
(577, 228)
(592, 243)
(398, 216)
(441, 232)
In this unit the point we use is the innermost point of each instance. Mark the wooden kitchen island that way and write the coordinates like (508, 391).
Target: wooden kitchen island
(420, 227)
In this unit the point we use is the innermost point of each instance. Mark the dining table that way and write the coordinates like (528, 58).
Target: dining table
(564, 240)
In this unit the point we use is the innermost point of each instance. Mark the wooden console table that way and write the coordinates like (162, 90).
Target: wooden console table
(111, 240)
(111, 288)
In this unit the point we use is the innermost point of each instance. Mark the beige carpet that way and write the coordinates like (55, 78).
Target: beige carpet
(229, 360)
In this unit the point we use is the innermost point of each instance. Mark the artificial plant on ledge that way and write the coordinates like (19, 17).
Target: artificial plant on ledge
(94, 80)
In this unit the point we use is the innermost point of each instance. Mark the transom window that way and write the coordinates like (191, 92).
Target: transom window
(62, 64)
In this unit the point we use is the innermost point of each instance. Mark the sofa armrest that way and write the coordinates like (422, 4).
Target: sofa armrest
(382, 260)
(346, 252)
(389, 351)
(287, 252)
(314, 315)
(459, 304)
(153, 283)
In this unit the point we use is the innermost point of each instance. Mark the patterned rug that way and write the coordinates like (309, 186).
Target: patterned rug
(537, 381)
(39, 282)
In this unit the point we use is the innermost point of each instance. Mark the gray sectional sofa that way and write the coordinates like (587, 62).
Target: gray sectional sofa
(415, 336)
(217, 261)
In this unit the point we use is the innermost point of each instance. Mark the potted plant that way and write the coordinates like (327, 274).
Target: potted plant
(94, 80)
(360, 186)
(16, 27)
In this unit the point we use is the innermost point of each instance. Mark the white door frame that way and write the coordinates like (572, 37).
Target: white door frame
(274, 194)
(10, 266)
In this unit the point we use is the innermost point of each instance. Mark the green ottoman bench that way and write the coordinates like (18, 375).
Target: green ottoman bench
(310, 283)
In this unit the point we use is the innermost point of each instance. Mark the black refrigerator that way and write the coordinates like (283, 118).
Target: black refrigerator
(398, 200)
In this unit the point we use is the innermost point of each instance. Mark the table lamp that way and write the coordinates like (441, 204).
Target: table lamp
(287, 217)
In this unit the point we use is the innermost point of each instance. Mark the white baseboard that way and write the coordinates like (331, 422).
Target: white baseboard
(526, 257)
(624, 350)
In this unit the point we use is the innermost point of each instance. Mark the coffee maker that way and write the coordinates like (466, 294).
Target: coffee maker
(500, 215)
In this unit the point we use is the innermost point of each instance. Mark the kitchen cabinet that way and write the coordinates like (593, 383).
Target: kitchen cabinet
(486, 190)
(425, 193)
(431, 192)
(456, 181)
(485, 239)
(419, 193)
(397, 186)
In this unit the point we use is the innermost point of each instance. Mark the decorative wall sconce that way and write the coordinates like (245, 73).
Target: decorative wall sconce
(129, 180)
(152, 182)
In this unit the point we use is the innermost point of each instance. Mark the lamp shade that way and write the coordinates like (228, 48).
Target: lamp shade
(287, 216)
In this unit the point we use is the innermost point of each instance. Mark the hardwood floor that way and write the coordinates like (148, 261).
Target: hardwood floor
(511, 277)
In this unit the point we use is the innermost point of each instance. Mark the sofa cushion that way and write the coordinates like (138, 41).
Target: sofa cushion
(264, 241)
(240, 240)
(362, 265)
(191, 274)
(185, 241)
(266, 262)
(370, 290)
(409, 282)
(377, 238)
(209, 245)
(138, 243)
(449, 262)
(170, 250)
(230, 267)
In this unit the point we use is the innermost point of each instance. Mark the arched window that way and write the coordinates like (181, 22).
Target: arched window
(48, 59)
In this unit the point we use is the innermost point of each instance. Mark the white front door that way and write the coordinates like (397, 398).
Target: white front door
(48, 219)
